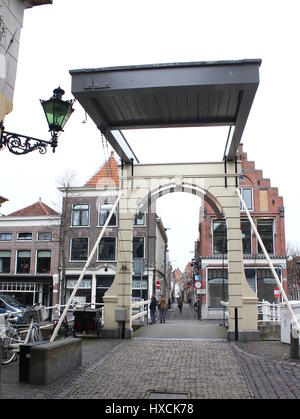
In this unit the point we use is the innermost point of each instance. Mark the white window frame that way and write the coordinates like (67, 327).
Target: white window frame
(116, 248)
(7, 250)
(251, 234)
(16, 261)
(252, 202)
(44, 232)
(99, 213)
(83, 260)
(4, 241)
(140, 225)
(24, 240)
(273, 233)
(89, 215)
(139, 237)
(215, 220)
(36, 261)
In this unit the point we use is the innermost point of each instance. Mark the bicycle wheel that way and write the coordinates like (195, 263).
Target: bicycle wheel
(9, 352)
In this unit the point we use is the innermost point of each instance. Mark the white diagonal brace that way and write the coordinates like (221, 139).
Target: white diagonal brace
(84, 269)
(296, 324)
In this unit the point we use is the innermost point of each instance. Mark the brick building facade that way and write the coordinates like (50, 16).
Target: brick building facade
(85, 210)
(267, 210)
(29, 253)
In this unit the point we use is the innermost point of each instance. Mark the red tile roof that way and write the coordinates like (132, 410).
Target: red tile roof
(37, 209)
(107, 175)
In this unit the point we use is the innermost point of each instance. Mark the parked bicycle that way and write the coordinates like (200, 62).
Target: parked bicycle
(10, 337)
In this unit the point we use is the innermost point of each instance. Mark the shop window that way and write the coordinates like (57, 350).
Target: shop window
(217, 287)
(45, 237)
(84, 292)
(5, 237)
(43, 265)
(5, 257)
(107, 249)
(79, 248)
(80, 216)
(24, 236)
(265, 230)
(246, 236)
(248, 198)
(103, 284)
(105, 210)
(23, 261)
(219, 237)
(138, 247)
(266, 284)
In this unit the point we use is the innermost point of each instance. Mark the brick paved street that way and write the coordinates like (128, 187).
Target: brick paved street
(164, 358)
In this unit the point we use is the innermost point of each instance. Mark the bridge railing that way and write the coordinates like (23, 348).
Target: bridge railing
(140, 306)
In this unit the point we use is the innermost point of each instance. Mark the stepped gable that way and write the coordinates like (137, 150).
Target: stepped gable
(106, 176)
(34, 210)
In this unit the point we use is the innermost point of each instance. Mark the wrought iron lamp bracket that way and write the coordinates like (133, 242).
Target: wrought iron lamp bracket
(22, 144)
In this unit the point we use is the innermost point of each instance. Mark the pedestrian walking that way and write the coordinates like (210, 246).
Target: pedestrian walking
(162, 306)
(152, 306)
(179, 302)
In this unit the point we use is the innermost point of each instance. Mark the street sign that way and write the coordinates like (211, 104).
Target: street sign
(201, 291)
(197, 284)
(276, 292)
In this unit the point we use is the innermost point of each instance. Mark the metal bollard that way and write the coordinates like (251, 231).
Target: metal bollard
(236, 324)
(294, 347)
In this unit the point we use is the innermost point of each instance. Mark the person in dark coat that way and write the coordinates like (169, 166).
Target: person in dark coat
(179, 302)
(152, 306)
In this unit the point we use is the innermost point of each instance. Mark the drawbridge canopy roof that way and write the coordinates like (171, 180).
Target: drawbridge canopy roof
(194, 94)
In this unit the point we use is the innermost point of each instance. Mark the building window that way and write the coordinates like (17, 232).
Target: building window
(251, 278)
(139, 219)
(248, 198)
(265, 230)
(266, 284)
(43, 264)
(79, 248)
(46, 237)
(80, 216)
(107, 249)
(104, 213)
(24, 236)
(23, 261)
(246, 236)
(5, 237)
(138, 247)
(5, 256)
(103, 284)
(219, 237)
(217, 287)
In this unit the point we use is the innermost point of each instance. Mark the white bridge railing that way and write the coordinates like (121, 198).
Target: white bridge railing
(138, 305)
(266, 312)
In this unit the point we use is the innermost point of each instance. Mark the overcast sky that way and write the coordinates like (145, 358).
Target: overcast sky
(74, 34)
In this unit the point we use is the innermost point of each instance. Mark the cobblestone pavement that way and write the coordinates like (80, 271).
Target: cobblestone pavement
(268, 370)
(93, 352)
(198, 367)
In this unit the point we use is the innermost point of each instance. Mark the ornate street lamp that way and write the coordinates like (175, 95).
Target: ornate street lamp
(57, 112)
